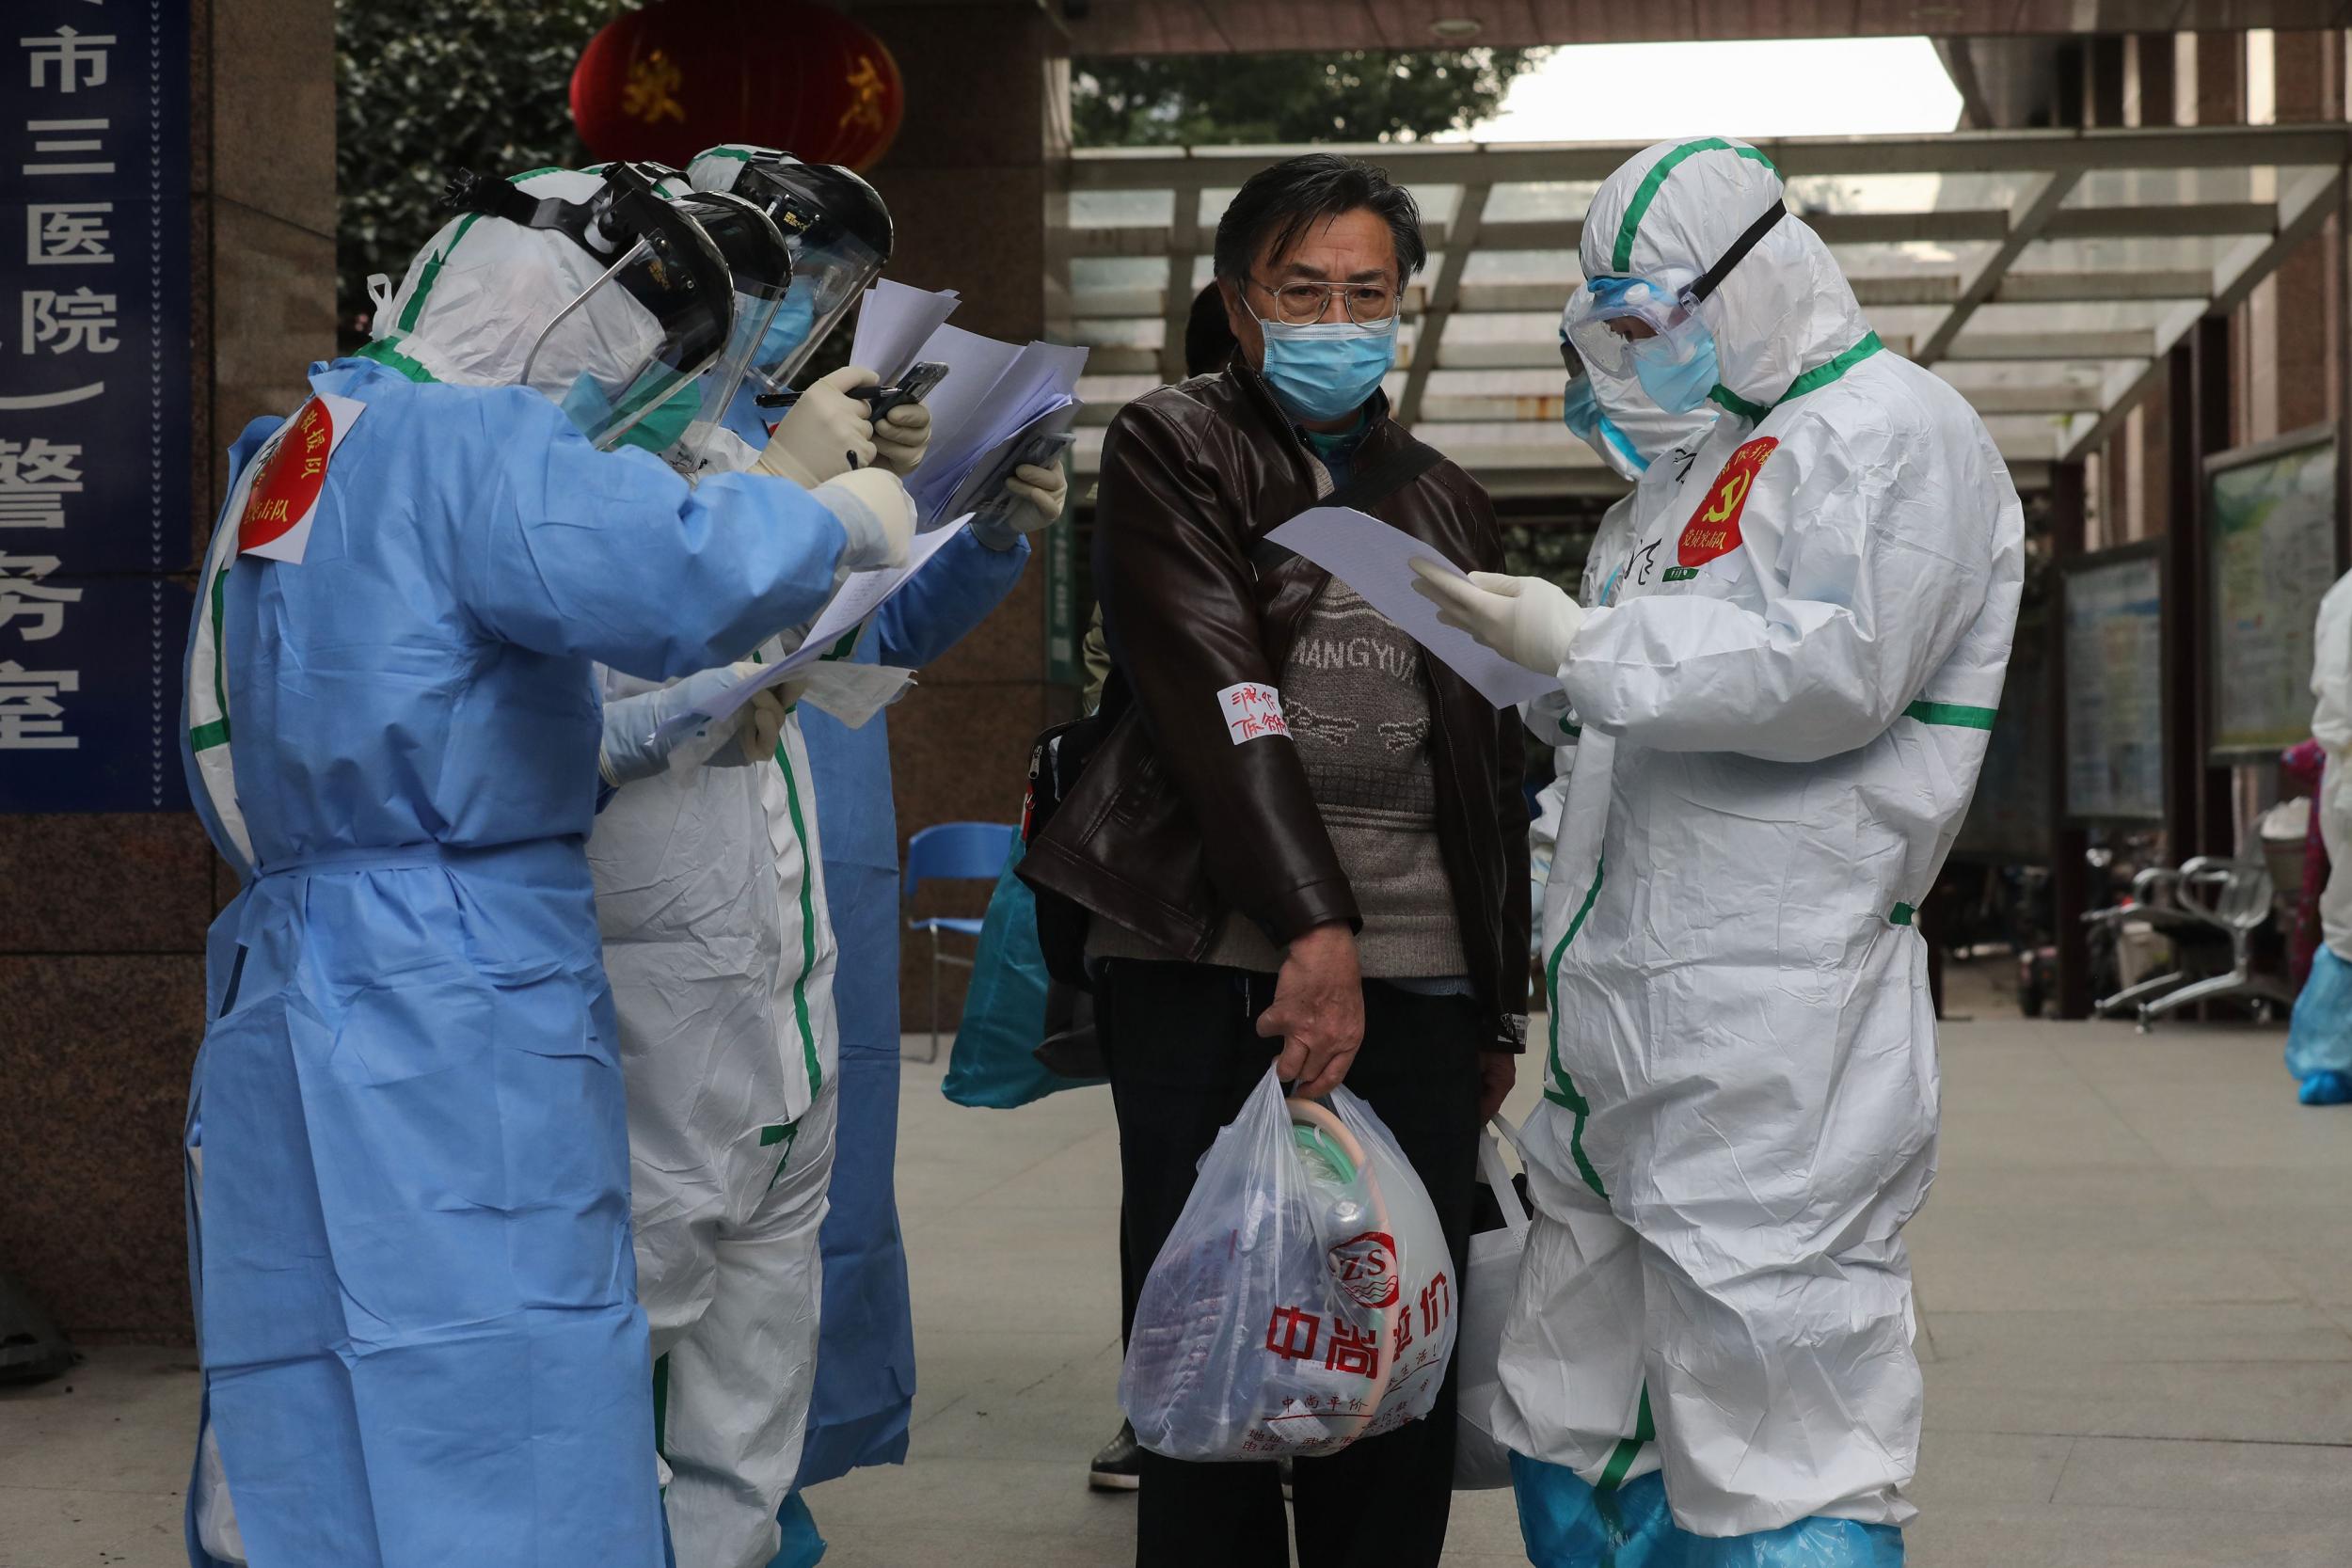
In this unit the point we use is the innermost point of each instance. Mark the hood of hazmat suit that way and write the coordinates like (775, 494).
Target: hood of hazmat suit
(410, 1247)
(1782, 706)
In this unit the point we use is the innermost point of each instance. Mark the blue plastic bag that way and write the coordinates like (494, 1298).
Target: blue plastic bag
(993, 1062)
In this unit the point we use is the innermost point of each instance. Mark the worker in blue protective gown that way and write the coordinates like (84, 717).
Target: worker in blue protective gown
(407, 1158)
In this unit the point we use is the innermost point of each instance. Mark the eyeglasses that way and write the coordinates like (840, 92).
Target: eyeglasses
(1299, 302)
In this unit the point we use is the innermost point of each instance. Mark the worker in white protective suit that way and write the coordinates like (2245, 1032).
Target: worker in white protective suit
(1785, 701)
(710, 899)
(1628, 441)
(2319, 1039)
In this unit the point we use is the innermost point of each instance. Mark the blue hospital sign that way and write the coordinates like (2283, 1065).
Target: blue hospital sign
(94, 402)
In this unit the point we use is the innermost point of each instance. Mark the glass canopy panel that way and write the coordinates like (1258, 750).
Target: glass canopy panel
(2162, 253)
(1113, 389)
(2162, 187)
(1119, 332)
(2039, 436)
(1910, 323)
(1117, 272)
(1121, 209)
(1910, 257)
(1544, 202)
(2090, 315)
(1530, 381)
(1910, 193)
(1524, 266)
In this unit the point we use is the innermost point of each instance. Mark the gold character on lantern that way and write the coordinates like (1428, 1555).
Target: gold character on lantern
(866, 97)
(651, 94)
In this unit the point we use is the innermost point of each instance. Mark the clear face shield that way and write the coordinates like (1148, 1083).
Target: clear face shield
(839, 236)
(761, 264)
(622, 358)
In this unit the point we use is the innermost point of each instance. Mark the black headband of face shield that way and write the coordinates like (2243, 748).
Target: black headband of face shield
(1713, 278)
(754, 246)
(686, 273)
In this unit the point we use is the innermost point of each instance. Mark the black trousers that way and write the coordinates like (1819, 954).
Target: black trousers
(1183, 1053)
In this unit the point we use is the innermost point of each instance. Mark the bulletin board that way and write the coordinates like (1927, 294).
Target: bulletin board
(2270, 532)
(2114, 610)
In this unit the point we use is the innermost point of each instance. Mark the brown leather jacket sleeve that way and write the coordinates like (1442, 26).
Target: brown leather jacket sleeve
(1179, 612)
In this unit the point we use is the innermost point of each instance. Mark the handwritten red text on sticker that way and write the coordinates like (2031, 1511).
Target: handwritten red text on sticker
(1714, 528)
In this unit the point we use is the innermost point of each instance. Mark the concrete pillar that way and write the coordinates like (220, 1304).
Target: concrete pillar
(968, 182)
(101, 928)
(2305, 345)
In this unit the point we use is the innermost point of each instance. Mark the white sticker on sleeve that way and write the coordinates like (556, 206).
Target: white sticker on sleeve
(1251, 711)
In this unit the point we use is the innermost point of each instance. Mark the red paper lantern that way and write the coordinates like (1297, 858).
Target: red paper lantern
(668, 81)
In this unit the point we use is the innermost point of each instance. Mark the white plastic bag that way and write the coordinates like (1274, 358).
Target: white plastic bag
(1305, 1298)
(1480, 1461)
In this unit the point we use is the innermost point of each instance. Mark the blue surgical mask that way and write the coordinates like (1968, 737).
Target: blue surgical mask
(794, 320)
(1676, 387)
(1326, 369)
(1580, 410)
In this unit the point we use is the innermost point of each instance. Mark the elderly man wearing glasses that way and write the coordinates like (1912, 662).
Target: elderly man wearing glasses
(1301, 842)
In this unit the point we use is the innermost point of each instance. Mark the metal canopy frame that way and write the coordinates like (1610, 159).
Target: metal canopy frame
(2045, 273)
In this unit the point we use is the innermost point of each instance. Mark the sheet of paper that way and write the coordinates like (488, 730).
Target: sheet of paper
(1040, 379)
(1377, 561)
(859, 597)
(893, 324)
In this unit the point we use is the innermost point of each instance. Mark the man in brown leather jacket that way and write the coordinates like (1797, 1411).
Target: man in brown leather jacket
(1303, 842)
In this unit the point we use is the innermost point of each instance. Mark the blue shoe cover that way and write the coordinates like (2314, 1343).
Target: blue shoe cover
(2326, 1089)
(1566, 1523)
(2319, 1035)
(802, 1546)
(1806, 1544)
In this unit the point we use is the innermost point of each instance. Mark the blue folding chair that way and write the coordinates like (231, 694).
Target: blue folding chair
(953, 852)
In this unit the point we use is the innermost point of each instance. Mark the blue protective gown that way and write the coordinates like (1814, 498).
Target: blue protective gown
(415, 1298)
(866, 1346)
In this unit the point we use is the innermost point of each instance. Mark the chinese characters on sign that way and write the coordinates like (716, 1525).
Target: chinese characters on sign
(94, 403)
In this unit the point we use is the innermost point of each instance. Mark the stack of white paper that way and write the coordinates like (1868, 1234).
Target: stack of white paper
(996, 397)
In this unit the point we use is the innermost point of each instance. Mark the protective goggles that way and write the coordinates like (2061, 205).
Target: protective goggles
(840, 236)
(625, 348)
(1610, 319)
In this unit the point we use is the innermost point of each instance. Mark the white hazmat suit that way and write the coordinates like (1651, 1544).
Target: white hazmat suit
(1783, 706)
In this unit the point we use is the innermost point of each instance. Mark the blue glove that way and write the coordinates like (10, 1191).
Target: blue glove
(633, 748)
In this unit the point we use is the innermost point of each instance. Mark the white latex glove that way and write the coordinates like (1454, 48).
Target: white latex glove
(827, 432)
(901, 437)
(1043, 489)
(762, 727)
(1038, 493)
(877, 513)
(633, 748)
(1528, 621)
